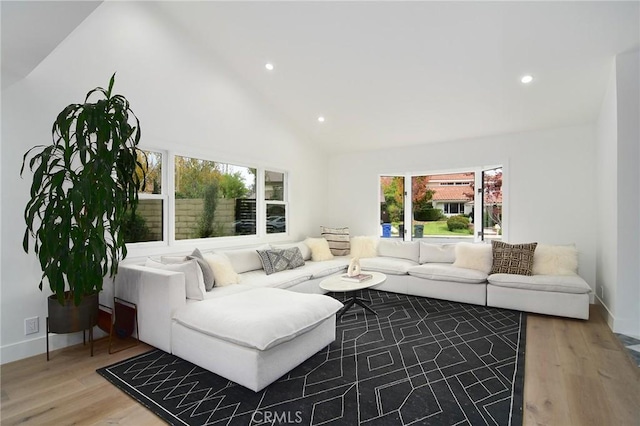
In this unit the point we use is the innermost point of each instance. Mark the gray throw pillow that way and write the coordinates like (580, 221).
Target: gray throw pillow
(207, 273)
(277, 260)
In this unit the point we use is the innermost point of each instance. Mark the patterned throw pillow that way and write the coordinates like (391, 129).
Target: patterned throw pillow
(512, 258)
(277, 260)
(338, 239)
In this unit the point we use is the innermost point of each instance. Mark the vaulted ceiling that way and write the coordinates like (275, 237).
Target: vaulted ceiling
(385, 73)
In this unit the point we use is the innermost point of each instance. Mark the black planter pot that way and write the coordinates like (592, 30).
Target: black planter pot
(69, 318)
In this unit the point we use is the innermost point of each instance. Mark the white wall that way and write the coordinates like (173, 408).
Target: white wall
(185, 103)
(627, 312)
(606, 184)
(548, 184)
(618, 140)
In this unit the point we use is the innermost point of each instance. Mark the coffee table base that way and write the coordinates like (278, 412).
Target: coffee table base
(357, 301)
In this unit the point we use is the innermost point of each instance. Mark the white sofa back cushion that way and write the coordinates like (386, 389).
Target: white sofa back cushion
(304, 249)
(244, 260)
(437, 253)
(474, 256)
(555, 260)
(409, 250)
(193, 280)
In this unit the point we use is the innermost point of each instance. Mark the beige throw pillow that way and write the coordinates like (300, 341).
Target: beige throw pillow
(319, 249)
(363, 247)
(474, 256)
(338, 239)
(555, 260)
(223, 272)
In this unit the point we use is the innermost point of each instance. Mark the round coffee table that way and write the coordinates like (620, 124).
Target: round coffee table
(336, 284)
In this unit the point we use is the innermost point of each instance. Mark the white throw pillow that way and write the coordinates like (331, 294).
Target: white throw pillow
(223, 272)
(193, 279)
(474, 256)
(319, 249)
(207, 274)
(555, 260)
(364, 246)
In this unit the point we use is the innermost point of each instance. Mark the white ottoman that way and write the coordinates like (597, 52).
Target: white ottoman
(254, 337)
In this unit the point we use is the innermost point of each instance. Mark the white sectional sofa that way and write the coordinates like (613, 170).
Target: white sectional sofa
(456, 272)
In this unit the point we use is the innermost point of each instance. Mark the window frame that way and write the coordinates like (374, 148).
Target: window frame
(284, 202)
(167, 195)
(163, 196)
(478, 234)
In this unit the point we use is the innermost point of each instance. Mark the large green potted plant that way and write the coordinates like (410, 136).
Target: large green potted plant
(84, 185)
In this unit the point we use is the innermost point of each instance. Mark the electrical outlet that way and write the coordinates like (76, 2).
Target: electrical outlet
(31, 325)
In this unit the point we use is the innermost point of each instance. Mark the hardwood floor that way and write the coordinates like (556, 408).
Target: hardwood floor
(577, 373)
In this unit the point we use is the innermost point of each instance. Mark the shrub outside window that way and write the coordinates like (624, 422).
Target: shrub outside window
(213, 199)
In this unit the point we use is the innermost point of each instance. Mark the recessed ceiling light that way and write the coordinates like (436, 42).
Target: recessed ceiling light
(526, 79)
(321, 119)
(269, 66)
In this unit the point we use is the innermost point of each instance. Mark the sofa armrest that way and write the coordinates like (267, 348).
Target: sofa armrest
(158, 294)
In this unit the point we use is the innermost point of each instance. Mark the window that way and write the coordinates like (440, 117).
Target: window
(454, 208)
(392, 195)
(213, 199)
(276, 206)
(492, 203)
(147, 224)
(209, 199)
(437, 197)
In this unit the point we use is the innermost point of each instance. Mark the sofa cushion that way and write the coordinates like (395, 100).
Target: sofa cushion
(223, 272)
(319, 249)
(338, 239)
(224, 291)
(512, 258)
(284, 279)
(555, 283)
(304, 249)
(260, 319)
(555, 260)
(193, 280)
(328, 267)
(277, 260)
(207, 273)
(409, 250)
(243, 260)
(474, 256)
(364, 246)
(387, 265)
(437, 253)
(448, 272)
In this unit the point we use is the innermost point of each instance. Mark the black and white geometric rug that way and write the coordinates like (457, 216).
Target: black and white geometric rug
(419, 362)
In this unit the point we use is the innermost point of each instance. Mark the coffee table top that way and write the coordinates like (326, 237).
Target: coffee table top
(335, 283)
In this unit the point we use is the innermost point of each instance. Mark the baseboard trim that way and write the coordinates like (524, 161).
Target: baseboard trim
(606, 312)
(38, 346)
